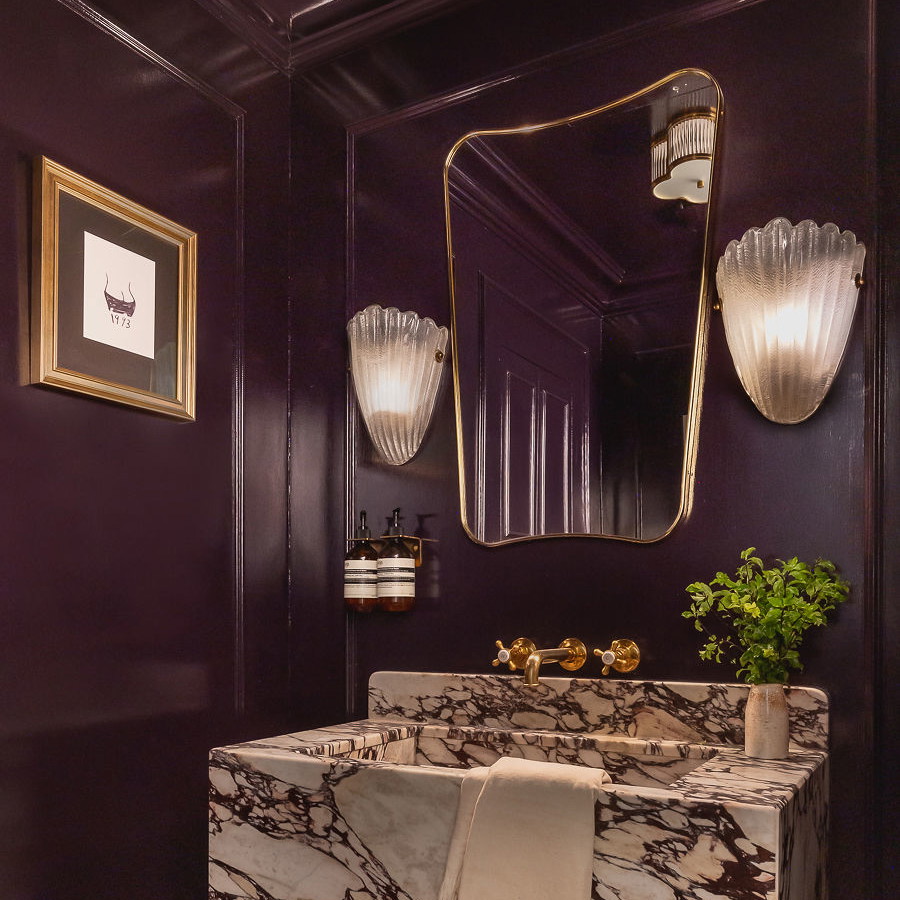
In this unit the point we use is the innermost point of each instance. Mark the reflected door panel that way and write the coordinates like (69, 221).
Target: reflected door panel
(560, 429)
(534, 382)
(517, 448)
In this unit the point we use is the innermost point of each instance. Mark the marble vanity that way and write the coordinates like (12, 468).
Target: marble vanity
(366, 809)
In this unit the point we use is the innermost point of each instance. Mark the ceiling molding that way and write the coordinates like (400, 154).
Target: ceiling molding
(255, 27)
(361, 29)
(289, 49)
(117, 32)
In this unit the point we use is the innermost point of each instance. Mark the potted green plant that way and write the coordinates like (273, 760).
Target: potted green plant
(756, 620)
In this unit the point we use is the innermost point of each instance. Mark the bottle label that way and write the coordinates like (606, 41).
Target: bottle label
(396, 577)
(360, 578)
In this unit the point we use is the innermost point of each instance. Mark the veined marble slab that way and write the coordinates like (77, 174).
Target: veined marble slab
(687, 711)
(366, 809)
(636, 761)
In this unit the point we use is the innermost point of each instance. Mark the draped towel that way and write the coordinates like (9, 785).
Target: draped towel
(524, 831)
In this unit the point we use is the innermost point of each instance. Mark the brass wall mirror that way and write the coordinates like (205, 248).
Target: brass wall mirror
(577, 255)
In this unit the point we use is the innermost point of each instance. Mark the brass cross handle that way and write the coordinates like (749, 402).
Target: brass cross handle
(516, 654)
(623, 656)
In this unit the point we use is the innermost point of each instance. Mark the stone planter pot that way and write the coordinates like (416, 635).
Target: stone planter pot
(766, 731)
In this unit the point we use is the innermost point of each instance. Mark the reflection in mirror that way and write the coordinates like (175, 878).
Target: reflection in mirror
(577, 254)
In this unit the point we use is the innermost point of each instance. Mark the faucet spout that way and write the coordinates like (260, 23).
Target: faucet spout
(533, 663)
(570, 654)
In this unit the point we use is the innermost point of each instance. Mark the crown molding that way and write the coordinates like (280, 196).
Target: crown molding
(124, 37)
(289, 49)
(254, 27)
(361, 29)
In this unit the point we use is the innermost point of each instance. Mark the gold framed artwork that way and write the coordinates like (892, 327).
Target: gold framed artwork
(114, 296)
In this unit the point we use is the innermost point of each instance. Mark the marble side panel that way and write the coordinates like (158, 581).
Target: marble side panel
(696, 712)
(732, 828)
(650, 846)
(804, 830)
(290, 827)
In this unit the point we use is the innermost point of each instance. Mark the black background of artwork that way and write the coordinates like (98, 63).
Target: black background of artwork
(92, 358)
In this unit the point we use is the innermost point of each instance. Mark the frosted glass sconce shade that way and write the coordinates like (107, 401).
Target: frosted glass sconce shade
(396, 359)
(788, 297)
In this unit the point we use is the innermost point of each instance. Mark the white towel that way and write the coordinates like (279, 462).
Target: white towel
(524, 831)
(469, 791)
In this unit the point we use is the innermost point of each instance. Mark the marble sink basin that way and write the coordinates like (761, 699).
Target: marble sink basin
(365, 810)
(628, 760)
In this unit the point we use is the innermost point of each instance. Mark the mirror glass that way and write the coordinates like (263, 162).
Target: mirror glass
(577, 255)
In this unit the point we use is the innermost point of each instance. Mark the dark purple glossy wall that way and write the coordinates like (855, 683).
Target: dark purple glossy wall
(188, 594)
(793, 76)
(144, 560)
(886, 349)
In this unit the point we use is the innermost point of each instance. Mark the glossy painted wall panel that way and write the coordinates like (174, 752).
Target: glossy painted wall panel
(318, 411)
(885, 623)
(117, 530)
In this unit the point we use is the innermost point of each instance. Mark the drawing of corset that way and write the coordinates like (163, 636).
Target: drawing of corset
(117, 304)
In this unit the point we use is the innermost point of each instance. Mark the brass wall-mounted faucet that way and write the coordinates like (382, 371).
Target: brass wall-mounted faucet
(571, 654)
(522, 653)
(623, 656)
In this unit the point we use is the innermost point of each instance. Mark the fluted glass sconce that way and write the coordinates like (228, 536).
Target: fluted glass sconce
(396, 359)
(681, 157)
(788, 296)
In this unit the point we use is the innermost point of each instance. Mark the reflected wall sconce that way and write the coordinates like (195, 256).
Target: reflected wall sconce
(396, 360)
(788, 296)
(681, 157)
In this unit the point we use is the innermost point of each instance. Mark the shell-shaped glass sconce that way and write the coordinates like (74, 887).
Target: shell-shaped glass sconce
(396, 359)
(788, 297)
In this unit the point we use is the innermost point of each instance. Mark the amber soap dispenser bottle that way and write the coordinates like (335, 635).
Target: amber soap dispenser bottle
(396, 570)
(361, 571)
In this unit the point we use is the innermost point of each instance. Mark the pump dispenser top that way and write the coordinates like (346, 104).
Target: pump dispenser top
(394, 522)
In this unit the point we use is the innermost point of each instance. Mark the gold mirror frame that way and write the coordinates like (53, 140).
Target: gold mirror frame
(698, 364)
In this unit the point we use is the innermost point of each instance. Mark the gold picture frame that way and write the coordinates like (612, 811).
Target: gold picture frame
(114, 296)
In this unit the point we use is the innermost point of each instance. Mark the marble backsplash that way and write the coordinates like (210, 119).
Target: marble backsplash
(688, 711)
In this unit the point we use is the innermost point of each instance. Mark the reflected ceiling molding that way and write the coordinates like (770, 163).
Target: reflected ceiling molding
(493, 189)
(550, 213)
